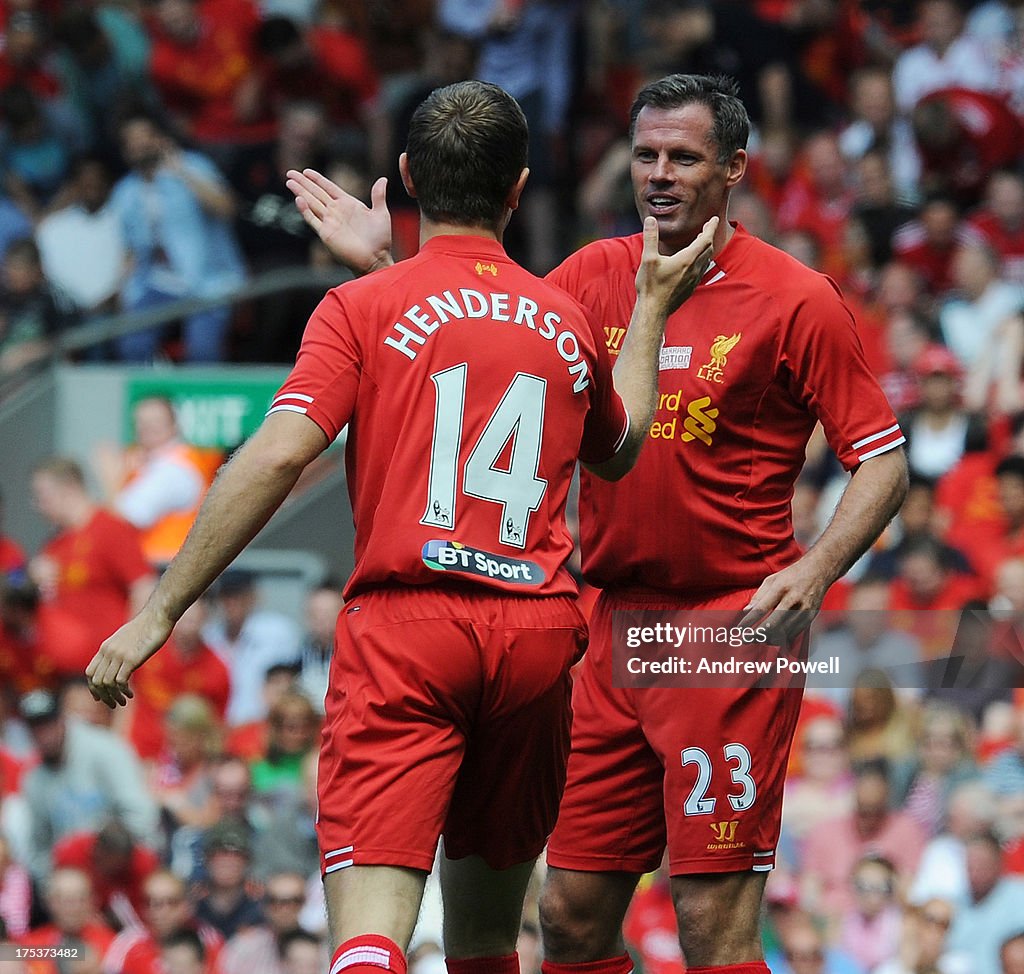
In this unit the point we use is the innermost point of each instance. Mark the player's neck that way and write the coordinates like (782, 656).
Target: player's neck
(432, 228)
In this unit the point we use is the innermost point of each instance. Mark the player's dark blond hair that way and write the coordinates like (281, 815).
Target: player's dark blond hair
(467, 146)
(718, 93)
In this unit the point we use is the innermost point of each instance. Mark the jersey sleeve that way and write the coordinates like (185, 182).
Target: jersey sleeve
(325, 380)
(830, 376)
(607, 423)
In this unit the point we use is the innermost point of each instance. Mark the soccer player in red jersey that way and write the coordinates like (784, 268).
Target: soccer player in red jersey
(763, 349)
(469, 388)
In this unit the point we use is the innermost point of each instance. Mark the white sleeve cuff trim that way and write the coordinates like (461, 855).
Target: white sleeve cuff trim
(875, 436)
(882, 449)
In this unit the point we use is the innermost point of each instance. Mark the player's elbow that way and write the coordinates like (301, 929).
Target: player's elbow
(617, 467)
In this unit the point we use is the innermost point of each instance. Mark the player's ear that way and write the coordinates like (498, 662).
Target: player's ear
(516, 191)
(737, 167)
(403, 168)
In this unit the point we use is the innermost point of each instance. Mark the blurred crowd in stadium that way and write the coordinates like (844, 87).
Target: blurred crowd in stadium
(143, 147)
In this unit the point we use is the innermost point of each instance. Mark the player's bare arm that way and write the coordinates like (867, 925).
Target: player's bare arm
(662, 285)
(247, 492)
(357, 235)
(789, 600)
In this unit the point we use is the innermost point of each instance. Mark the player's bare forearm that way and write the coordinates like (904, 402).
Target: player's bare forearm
(663, 283)
(788, 601)
(241, 501)
(871, 499)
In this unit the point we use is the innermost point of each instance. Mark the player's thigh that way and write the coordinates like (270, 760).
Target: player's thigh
(402, 690)
(507, 792)
(612, 817)
(483, 907)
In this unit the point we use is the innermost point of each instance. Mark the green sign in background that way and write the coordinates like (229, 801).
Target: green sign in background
(217, 408)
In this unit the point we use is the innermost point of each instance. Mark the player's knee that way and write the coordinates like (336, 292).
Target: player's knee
(699, 925)
(718, 920)
(572, 932)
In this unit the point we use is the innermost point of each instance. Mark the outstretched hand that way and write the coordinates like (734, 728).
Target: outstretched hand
(671, 279)
(357, 235)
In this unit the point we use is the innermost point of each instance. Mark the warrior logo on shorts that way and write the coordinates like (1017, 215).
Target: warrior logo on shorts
(720, 349)
(453, 556)
(725, 836)
(724, 831)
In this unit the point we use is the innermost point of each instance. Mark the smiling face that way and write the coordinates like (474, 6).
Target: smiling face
(677, 177)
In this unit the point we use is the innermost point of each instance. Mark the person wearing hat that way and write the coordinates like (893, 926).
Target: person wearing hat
(227, 905)
(937, 429)
(85, 774)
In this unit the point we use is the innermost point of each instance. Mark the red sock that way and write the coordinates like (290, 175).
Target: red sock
(751, 967)
(623, 964)
(369, 954)
(508, 964)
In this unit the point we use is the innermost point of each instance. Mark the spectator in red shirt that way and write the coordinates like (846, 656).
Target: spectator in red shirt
(117, 866)
(964, 136)
(925, 581)
(907, 336)
(1000, 223)
(931, 595)
(74, 922)
(166, 909)
(186, 666)
(1005, 539)
(819, 200)
(202, 63)
(21, 56)
(94, 567)
(28, 633)
(928, 243)
(329, 64)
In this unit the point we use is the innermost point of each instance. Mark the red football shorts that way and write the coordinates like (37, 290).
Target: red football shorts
(448, 713)
(698, 770)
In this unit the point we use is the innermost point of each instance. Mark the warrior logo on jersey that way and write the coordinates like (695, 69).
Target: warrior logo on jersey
(613, 339)
(700, 421)
(720, 349)
(482, 269)
(454, 556)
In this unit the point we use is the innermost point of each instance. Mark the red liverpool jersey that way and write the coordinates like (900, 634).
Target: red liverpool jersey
(470, 387)
(762, 349)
